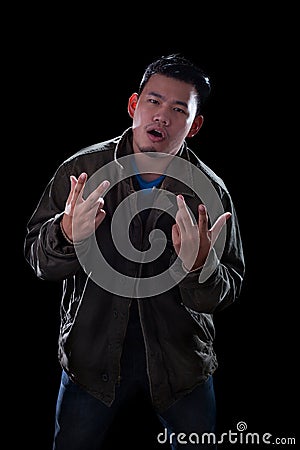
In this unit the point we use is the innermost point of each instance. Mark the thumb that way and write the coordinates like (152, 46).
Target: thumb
(218, 225)
(176, 237)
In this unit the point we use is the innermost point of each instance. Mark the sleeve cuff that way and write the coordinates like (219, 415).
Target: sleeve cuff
(180, 274)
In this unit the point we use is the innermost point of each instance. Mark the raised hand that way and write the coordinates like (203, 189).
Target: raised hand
(89, 211)
(192, 242)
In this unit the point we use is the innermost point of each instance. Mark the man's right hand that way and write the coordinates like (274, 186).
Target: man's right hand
(89, 212)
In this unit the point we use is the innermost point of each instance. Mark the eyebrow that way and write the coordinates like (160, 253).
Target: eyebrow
(177, 102)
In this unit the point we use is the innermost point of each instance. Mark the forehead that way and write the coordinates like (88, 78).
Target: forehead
(170, 89)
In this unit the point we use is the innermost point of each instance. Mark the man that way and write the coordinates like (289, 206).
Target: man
(145, 238)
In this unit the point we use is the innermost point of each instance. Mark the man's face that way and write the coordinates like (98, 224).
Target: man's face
(164, 115)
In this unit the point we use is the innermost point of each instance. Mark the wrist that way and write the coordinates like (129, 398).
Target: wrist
(67, 238)
(193, 269)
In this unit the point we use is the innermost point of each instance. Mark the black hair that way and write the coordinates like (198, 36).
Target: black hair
(179, 67)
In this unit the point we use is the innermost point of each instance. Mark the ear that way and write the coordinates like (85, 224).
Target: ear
(196, 125)
(132, 102)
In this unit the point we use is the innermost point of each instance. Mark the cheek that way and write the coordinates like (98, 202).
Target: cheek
(178, 134)
(182, 126)
(138, 119)
(187, 127)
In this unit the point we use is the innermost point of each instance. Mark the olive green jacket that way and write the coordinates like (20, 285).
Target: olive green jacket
(99, 281)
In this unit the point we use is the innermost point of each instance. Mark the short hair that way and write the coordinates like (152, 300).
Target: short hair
(179, 67)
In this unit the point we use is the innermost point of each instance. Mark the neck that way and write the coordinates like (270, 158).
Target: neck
(150, 176)
(150, 167)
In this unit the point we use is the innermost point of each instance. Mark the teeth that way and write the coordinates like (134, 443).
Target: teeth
(156, 133)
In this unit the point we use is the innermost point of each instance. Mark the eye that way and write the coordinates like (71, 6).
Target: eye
(179, 110)
(153, 100)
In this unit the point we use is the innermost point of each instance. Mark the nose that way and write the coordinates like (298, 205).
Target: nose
(161, 117)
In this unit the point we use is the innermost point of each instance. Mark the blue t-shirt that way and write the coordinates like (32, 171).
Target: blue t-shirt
(148, 184)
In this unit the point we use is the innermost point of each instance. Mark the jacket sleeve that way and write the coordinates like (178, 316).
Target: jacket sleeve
(219, 282)
(45, 248)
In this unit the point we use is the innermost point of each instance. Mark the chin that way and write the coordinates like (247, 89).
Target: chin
(146, 149)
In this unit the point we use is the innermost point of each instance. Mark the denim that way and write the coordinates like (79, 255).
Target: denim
(82, 421)
(192, 415)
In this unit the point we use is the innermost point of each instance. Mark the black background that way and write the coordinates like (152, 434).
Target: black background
(73, 76)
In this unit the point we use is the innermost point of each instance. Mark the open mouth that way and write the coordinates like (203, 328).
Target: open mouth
(156, 133)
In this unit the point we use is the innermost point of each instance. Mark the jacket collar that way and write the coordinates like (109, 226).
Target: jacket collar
(124, 147)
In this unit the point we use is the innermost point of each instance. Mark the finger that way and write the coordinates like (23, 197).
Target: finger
(79, 185)
(68, 207)
(77, 189)
(202, 219)
(99, 217)
(218, 225)
(102, 188)
(73, 181)
(183, 217)
(96, 196)
(176, 237)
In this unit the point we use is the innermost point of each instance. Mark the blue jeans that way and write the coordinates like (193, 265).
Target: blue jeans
(82, 421)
